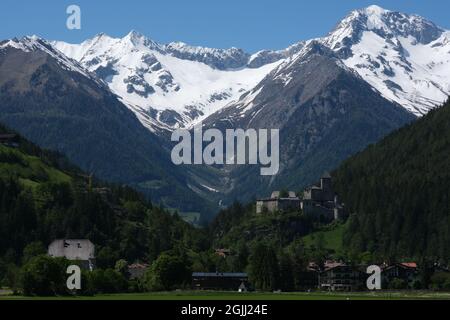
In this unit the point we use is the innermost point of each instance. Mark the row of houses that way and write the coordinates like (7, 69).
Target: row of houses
(329, 276)
(319, 200)
(332, 276)
(83, 252)
(339, 276)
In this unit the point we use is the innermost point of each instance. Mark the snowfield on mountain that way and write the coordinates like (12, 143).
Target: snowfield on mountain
(404, 57)
(165, 91)
(330, 97)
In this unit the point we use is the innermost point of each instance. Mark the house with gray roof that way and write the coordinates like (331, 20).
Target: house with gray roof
(81, 250)
(234, 281)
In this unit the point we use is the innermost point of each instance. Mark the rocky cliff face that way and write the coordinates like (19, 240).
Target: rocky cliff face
(57, 104)
(405, 57)
(324, 111)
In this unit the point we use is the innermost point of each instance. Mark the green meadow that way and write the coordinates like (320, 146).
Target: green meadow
(222, 296)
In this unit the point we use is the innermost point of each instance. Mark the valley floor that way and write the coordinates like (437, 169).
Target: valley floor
(213, 295)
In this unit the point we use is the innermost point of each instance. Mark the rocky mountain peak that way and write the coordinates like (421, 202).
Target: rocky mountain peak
(387, 24)
(388, 49)
(137, 39)
(31, 44)
(375, 10)
(221, 59)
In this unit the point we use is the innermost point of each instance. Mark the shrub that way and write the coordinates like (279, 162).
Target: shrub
(440, 281)
(103, 281)
(44, 276)
(166, 273)
(398, 284)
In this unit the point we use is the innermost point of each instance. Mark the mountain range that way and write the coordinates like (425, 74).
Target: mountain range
(167, 86)
(56, 103)
(404, 57)
(111, 103)
(324, 111)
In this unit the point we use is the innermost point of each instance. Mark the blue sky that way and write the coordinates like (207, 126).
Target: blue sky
(248, 24)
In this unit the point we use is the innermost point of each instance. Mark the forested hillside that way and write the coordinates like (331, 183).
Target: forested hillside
(71, 112)
(43, 197)
(399, 192)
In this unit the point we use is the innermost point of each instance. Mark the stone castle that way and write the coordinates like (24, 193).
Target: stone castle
(319, 200)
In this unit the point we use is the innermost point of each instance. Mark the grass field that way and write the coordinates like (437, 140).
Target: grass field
(332, 238)
(220, 296)
(30, 170)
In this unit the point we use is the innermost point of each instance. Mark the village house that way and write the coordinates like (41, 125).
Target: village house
(406, 271)
(137, 270)
(220, 281)
(278, 203)
(82, 251)
(338, 276)
(223, 252)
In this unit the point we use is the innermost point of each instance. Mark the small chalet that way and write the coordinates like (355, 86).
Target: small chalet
(137, 270)
(220, 281)
(338, 276)
(406, 271)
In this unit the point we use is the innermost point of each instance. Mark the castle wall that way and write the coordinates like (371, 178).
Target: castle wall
(312, 209)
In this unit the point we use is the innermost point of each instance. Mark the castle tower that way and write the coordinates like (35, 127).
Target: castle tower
(327, 188)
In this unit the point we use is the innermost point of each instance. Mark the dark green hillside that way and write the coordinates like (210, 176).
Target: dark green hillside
(399, 190)
(240, 223)
(69, 112)
(43, 198)
(325, 114)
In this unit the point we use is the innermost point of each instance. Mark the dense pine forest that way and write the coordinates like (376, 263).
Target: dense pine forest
(43, 197)
(396, 191)
(399, 192)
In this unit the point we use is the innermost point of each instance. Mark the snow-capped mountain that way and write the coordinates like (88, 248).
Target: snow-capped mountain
(405, 57)
(324, 110)
(34, 43)
(168, 86)
(232, 58)
(330, 97)
(54, 102)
